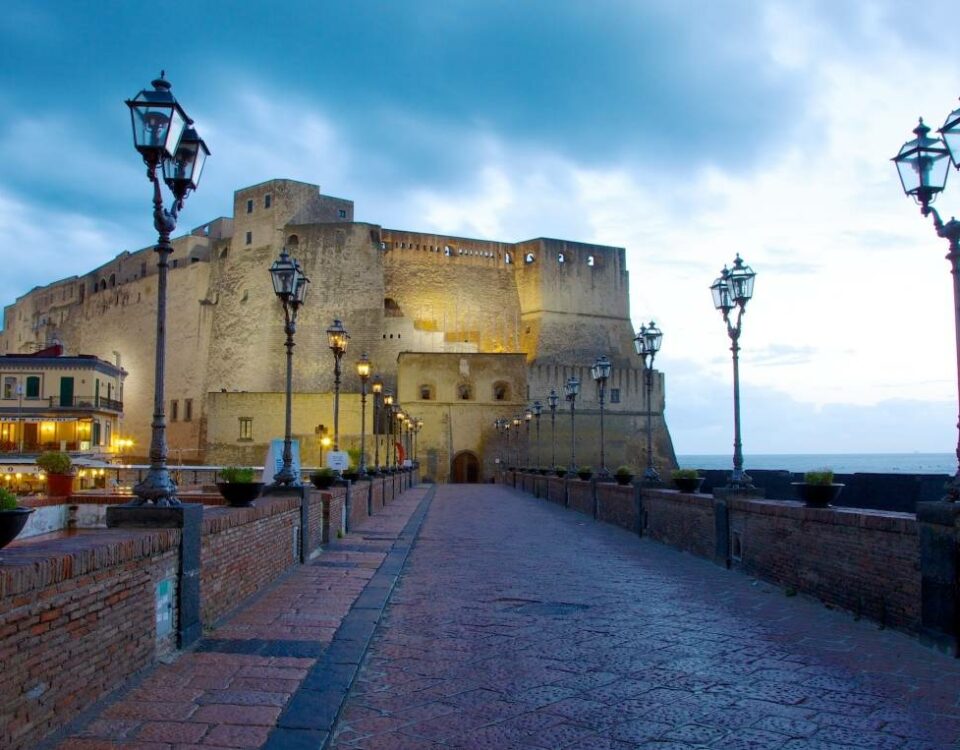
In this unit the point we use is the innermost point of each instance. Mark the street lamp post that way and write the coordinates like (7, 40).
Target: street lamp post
(733, 289)
(416, 433)
(527, 417)
(165, 137)
(337, 338)
(517, 421)
(290, 286)
(552, 400)
(923, 164)
(376, 387)
(570, 390)
(20, 418)
(388, 413)
(647, 343)
(363, 372)
(601, 373)
(537, 410)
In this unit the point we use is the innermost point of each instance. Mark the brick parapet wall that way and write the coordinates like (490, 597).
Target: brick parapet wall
(78, 618)
(682, 520)
(581, 496)
(358, 502)
(244, 549)
(617, 504)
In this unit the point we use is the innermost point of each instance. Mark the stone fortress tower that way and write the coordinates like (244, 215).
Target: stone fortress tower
(464, 331)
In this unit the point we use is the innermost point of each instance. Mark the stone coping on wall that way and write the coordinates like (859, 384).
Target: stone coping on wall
(864, 518)
(29, 566)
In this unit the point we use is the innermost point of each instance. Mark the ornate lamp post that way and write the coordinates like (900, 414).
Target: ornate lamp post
(537, 410)
(647, 343)
(517, 421)
(417, 427)
(527, 417)
(363, 372)
(600, 372)
(733, 289)
(376, 387)
(388, 412)
(552, 400)
(337, 338)
(923, 164)
(165, 137)
(570, 390)
(290, 286)
(400, 415)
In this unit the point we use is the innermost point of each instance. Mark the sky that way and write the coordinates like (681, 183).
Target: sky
(685, 131)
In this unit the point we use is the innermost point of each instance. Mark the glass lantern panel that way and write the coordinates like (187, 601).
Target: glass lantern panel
(284, 275)
(923, 166)
(741, 284)
(721, 294)
(951, 136)
(654, 338)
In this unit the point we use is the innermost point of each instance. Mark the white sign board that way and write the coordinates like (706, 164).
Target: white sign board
(274, 462)
(338, 460)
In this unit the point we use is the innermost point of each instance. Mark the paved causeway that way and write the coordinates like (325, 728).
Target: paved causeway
(517, 624)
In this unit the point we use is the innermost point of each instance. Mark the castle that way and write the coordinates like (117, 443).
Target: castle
(463, 331)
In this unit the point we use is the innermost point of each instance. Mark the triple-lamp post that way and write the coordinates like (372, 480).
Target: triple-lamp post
(388, 413)
(601, 373)
(337, 338)
(733, 289)
(570, 390)
(527, 417)
(290, 286)
(517, 421)
(647, 343)
(363, 372)
(376, 387)
(552, 400)
(417, 426)
(165, 137)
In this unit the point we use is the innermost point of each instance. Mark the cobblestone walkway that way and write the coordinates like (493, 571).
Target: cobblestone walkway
(231, 691)
(517, 624)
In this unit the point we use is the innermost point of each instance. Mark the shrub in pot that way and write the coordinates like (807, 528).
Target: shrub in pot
(687, 480)
(13, 517)
(59, 470)
(238, 486)
(585, 472)
(560, 471)
(623, 475)
(818, 490)
(323, 478)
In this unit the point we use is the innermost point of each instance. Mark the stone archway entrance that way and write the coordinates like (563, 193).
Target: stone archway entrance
(465, 468)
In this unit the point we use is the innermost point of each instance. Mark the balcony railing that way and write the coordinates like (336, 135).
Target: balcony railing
(86, 402)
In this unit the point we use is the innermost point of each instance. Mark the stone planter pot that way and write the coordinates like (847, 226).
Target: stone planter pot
(585, 475)
(623, 479)
(561, 472)
(59, 485)
(12, 523)
(240, 494)
(818, 495)
(324, 482)
(688, 484)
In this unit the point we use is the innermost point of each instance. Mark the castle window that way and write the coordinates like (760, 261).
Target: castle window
(143, 269)
(391, 309)
(591, 261)
(447, 251)
(293, 242)
(249, 238)
(113, 280)
(246, 428)
(464, 392)
(174, 265)
(224, 253)
(174, 410)
(501, 391)
(103, 284)
(426, 393)
(188, 410)
(561, 258)
(267, 199)
(528, 258)
(614, 395)
(342, 213)
(250, 206)
(507, 258)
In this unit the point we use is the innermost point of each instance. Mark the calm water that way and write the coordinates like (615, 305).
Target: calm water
(841, 463)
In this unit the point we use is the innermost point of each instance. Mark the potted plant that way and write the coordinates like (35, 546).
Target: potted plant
(12, 517)
(323, 478)
(623, 475)
(585, 472)
(818, 490)
(238, 486)
(560, 471)
(59, 470)
(687, 480)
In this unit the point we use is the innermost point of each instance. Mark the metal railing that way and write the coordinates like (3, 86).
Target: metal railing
(85, 402)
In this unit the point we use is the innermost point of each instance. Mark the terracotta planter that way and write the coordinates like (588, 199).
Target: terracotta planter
(59, 485)
(240, 494)
(12, 523)
(818, 495)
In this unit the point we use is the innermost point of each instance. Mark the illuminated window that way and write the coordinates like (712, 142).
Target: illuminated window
(246, 428)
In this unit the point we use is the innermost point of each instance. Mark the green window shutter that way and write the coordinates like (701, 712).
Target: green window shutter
(33, 386)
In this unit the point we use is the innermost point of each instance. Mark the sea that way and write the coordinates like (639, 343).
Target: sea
(840, 463)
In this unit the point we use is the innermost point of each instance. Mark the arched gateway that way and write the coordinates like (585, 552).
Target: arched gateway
(465, 468)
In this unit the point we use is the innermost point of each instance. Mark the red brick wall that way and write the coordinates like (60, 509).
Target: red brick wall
(555, 489)
(617, 505)
(863, 561)
(314, 518)
(581, 496)
(377, 500)
(358, 503)
(333, 500)
(78, 618)
(242, 550)
(681, 520)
